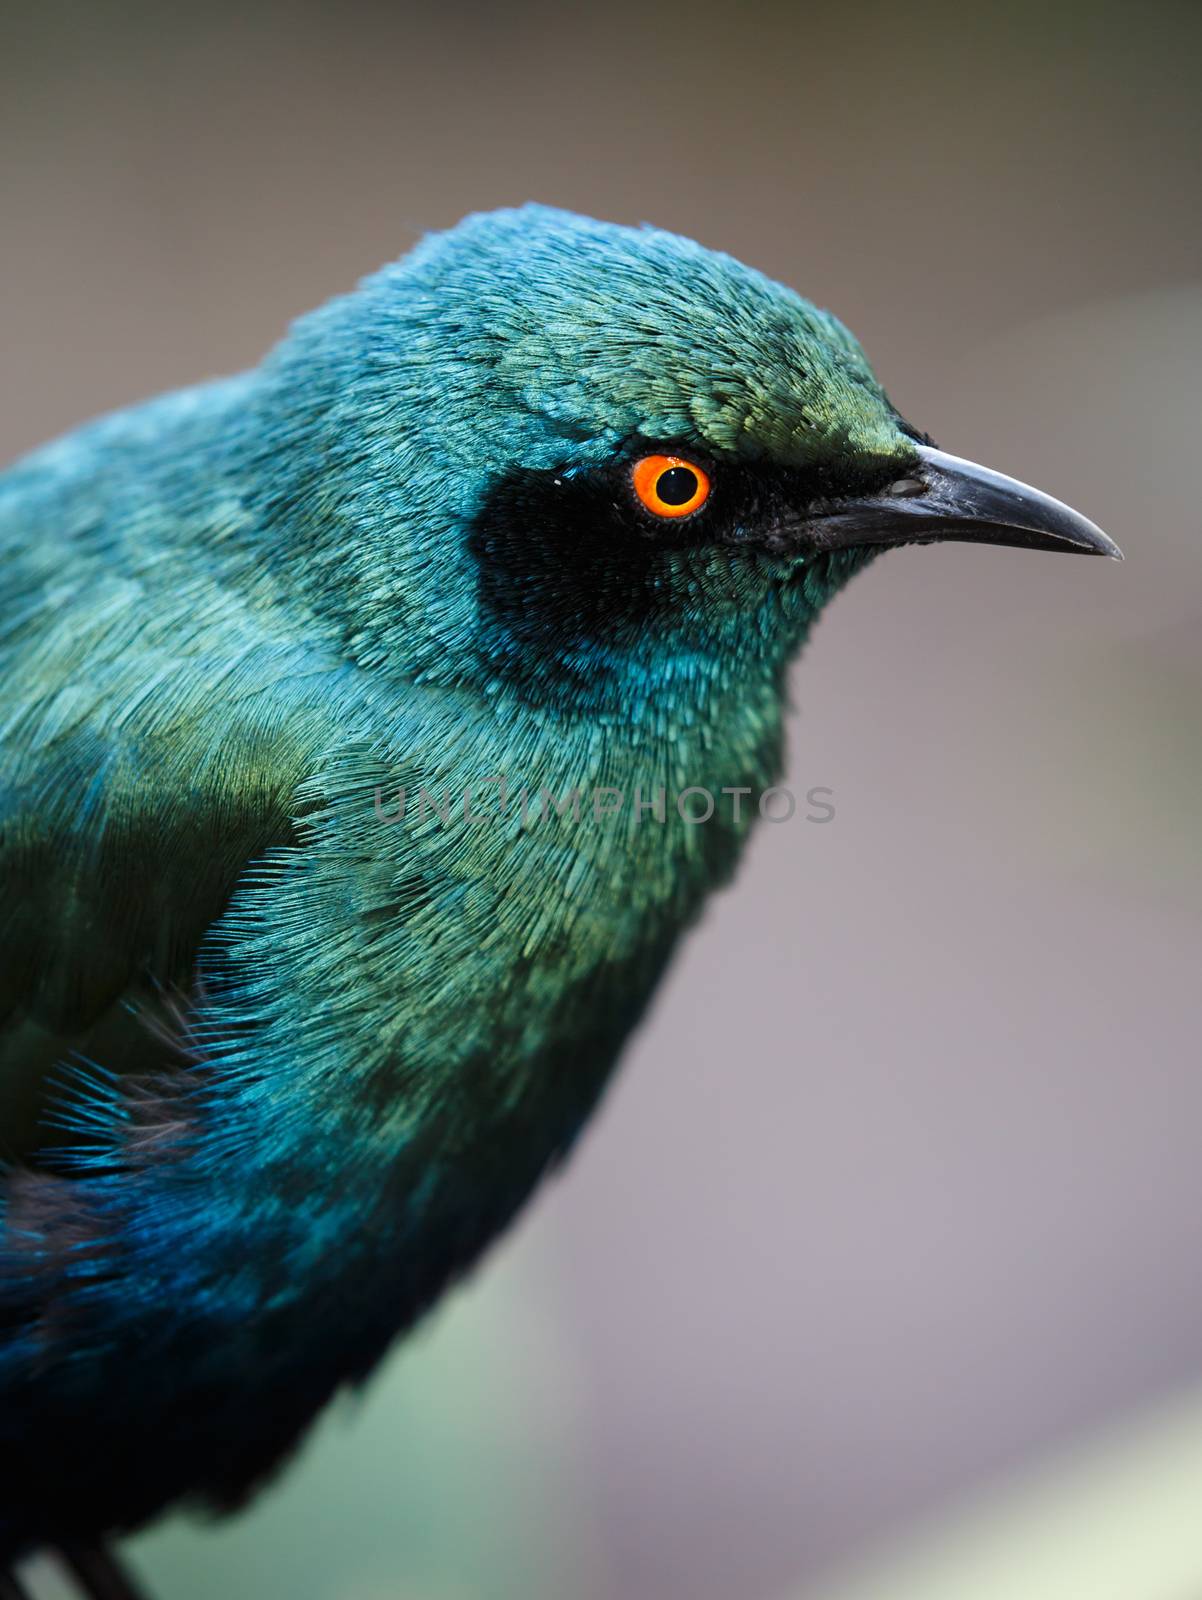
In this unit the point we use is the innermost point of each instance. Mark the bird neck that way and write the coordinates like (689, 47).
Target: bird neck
(478, 1012)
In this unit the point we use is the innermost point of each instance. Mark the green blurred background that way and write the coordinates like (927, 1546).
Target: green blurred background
(898, 1196)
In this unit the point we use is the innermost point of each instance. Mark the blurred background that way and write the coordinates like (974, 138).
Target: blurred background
(880, 1272)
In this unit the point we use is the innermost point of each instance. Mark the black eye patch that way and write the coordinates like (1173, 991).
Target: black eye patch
(565, 559)
(570, 559)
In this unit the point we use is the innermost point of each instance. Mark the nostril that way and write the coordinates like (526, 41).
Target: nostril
(906, 486)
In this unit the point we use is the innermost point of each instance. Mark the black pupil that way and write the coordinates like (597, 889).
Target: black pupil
(676, 486)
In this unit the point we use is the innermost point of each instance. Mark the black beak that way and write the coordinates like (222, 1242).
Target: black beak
(947, 498)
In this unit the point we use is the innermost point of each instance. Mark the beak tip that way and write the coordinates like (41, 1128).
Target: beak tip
(1105, 546)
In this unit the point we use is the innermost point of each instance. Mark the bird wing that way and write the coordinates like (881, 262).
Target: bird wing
(113, 865)
(152, 736)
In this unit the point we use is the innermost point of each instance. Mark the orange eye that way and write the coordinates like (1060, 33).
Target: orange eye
(670, 486)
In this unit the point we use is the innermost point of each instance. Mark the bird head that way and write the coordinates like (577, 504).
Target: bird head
(574, 459)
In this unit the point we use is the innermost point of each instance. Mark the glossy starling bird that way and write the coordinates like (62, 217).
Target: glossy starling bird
(348, 707)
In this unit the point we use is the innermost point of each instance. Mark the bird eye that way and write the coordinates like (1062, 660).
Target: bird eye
(670, 486)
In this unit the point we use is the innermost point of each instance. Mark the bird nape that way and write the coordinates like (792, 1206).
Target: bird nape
(316, 946)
